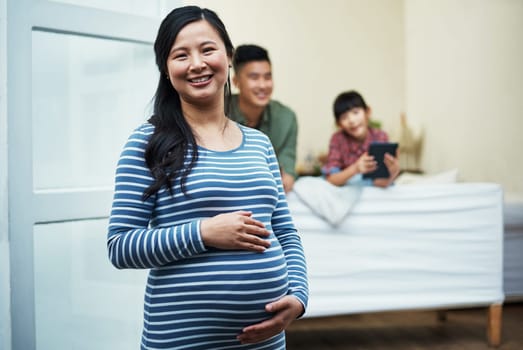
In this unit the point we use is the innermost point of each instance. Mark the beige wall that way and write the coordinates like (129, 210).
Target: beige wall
(453, 66)
(464, 84)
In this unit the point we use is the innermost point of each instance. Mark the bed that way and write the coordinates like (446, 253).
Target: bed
(426, 246)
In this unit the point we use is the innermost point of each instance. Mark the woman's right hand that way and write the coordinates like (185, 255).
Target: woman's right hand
(235, 230)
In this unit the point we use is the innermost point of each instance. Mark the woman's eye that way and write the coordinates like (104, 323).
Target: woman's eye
(178, 55)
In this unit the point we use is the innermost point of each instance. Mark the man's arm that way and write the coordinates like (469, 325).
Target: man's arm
(287, 151)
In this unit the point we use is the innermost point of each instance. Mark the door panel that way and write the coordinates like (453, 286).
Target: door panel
(88, 95)
(81, 301)
(80, 77)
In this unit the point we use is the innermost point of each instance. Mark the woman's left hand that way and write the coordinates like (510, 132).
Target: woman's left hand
(285, 310)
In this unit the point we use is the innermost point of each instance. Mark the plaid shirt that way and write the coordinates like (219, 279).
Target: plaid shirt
(345, 149)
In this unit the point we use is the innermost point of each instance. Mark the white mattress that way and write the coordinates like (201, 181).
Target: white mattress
(406, 247)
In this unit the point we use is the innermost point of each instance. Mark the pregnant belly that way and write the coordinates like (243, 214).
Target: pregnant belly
(220, 287)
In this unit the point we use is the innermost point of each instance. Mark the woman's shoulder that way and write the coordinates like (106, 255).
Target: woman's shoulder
(143, 131)
(254, 138)
(141, 135)
(146, 129)
(252, 132)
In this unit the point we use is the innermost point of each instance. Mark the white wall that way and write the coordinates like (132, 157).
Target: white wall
(5, 318)
(321, 49)
(464, 85)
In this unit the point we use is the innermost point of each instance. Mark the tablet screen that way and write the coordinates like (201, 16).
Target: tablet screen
(378, 150)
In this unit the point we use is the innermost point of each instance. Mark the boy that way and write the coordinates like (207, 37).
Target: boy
(348, 147)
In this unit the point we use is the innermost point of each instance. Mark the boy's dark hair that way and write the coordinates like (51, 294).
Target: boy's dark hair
(247, 53)
(347, 101)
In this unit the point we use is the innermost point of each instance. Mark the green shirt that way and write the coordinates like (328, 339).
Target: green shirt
(279, 123)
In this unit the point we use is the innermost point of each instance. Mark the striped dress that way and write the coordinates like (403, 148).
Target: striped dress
(198, 297)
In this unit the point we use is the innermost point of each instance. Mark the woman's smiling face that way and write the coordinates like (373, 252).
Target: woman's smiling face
(198, 65)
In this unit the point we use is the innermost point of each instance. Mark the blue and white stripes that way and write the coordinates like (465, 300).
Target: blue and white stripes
(199, 297)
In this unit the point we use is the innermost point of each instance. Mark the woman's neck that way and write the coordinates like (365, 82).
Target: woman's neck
(203, 115)
(212, 129)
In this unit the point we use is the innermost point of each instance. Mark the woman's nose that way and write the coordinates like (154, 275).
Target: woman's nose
(197, 63)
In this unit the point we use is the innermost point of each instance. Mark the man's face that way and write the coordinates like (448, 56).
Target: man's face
(254, 81)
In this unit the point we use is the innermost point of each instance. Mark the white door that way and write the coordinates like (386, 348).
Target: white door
(80, 77)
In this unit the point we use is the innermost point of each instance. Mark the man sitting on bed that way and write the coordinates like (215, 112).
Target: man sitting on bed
(348, 159)
(254, 107)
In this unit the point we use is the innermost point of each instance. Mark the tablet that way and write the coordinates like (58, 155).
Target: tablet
(378, 150)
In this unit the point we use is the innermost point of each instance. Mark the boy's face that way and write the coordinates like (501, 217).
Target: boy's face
(254, 81)
(355, 122)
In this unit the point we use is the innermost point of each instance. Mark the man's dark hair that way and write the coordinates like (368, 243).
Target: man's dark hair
(247, 53)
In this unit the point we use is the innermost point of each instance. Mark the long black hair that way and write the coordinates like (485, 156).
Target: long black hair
(173, 137)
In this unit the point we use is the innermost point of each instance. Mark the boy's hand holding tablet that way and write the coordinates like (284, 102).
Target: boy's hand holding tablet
(384, 154)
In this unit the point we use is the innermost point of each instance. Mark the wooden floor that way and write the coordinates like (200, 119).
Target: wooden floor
(463, 329)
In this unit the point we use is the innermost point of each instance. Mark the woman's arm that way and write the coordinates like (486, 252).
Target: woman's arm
(131, 242)
(286, 233)
(285, 310)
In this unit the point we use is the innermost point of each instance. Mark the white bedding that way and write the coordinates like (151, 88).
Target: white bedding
(329, 202)
(406, 247)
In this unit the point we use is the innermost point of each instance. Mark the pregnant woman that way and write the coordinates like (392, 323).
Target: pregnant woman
(199, 202)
